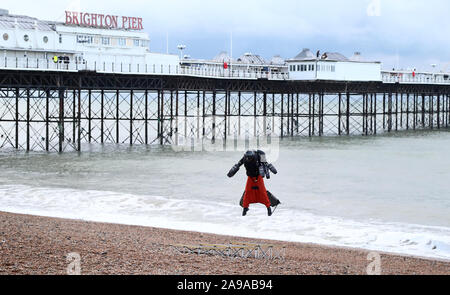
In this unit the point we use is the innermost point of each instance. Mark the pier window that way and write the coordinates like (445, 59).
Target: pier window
(144, 43)
(326, 68)
(122, 42)
(84, 39)
(136, 42)
(106, 41)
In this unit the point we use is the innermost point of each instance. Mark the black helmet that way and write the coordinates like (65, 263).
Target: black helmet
(249, 156)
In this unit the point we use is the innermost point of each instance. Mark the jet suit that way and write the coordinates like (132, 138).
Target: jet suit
(257, 168)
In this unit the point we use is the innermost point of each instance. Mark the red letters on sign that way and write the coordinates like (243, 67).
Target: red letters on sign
(114, 21)
(94, 20)
(124, 21)
(103, 21)
(85, 19)
(68, 18)
(101, 16)
(75, 18)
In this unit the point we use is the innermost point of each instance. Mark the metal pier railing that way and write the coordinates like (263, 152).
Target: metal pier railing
(37, 64)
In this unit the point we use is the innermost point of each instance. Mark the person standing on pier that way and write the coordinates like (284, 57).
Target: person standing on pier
(255, 191)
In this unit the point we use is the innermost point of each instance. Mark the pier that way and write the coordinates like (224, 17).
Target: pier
(59, 111)
(65, 86)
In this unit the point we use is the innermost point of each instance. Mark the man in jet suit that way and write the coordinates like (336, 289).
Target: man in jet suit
(257, 168)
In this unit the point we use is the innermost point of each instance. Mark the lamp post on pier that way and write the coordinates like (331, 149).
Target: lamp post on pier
(181, 47)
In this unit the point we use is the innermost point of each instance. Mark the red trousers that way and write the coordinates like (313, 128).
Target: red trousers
(255, 192)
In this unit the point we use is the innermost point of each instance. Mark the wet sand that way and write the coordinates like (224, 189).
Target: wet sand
(40, 245)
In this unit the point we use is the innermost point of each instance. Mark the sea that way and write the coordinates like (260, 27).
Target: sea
(387, 193)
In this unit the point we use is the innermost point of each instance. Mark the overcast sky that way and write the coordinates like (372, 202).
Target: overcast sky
(400, 33)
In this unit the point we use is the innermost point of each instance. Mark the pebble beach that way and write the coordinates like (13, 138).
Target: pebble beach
(40, 246)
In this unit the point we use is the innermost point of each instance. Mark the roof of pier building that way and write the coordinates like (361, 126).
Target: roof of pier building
(10, 21)
(249, 58)
(307, 55)
(277, 60)
(334, 56)
(223, 57)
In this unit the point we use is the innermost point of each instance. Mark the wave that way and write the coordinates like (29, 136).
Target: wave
(225, 218)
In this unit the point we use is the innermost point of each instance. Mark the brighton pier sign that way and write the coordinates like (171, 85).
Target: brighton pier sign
(103, 21)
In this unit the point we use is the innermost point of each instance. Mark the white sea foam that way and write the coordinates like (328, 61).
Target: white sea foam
(225, 218)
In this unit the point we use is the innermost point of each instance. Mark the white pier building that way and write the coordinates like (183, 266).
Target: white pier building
(332, 66)
(27, 42)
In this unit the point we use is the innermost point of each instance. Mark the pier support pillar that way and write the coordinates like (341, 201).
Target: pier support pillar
(28, 119)
(47, 120)
(347, 115)
(61, 96)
